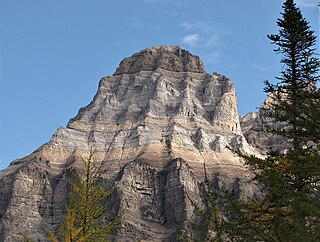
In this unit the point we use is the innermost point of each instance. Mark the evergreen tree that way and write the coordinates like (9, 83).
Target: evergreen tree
(85, 209)
(290, 210)
(296, 97)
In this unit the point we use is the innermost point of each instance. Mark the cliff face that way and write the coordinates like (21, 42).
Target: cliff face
(152, 125)
(255, 125)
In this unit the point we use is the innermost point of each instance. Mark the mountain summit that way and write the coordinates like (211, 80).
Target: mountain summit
(157, 113)
(170, 58)
(152, 125)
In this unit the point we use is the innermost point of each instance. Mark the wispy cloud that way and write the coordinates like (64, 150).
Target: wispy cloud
(213, 40)
(207, 38)
(192, 39)
(307, 3)
(201, 34)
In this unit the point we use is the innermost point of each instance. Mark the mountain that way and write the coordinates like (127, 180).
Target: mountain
(152, 125)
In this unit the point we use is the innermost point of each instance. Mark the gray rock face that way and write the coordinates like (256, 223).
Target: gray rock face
(256, 127)
(170, 58)
(152, 125)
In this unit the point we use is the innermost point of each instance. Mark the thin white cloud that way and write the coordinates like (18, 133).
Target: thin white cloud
(192, 40)
(213, 40)
(206, 38)
(204, 34)
(307, 3)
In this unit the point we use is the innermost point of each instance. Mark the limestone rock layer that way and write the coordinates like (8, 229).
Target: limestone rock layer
(152, 126)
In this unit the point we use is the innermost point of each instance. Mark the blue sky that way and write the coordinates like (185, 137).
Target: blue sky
(53, 53)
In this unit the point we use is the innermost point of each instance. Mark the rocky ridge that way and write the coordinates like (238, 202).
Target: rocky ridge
(152, 124)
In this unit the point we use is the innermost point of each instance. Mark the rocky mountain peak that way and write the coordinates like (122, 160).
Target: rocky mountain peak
(171, 58)
(152, 126)
(160, 104)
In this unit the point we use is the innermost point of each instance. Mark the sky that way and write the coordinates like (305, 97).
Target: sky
(53, 53)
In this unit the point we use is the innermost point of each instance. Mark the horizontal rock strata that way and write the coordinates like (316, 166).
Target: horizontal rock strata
(152, 125)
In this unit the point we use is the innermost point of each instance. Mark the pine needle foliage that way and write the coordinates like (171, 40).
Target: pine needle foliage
(290, 211)
(83, 222)
(296, 96)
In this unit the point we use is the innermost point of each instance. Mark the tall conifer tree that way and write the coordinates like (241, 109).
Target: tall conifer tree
(290, 210)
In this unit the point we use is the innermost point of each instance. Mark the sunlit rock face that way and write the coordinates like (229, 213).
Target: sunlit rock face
(259, 129)
(152, 126)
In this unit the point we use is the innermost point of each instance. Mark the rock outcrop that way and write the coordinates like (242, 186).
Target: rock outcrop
(257, 128)
(152, 125)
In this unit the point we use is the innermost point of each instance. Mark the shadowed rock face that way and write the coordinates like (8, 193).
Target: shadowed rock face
(152, 125)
